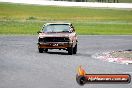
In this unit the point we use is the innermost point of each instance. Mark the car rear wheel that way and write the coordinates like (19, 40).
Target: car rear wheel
(40, 50)
(75, 49)
(70, 50)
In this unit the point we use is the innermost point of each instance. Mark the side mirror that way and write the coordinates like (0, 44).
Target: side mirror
(39, 32)
(71, 30)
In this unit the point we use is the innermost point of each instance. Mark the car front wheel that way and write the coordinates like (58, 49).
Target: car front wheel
(75, 49)
(70, 50)
(45, 50)
(40, 50)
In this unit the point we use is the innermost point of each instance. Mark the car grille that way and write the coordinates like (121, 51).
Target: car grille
(54, 39)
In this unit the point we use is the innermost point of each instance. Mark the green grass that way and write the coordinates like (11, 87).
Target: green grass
(19, 27)
(96, 28)
(28, 19)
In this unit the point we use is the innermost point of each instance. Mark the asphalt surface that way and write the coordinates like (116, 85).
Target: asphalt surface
(22, 66)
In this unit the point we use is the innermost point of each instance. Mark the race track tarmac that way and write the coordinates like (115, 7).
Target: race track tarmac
(22, 66)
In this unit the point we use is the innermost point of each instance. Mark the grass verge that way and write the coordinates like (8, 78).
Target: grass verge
(28, 19)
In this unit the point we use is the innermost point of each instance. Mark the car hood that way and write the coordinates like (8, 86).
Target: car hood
(41, 35)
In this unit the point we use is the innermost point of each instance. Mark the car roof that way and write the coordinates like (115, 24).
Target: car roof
(58, 23)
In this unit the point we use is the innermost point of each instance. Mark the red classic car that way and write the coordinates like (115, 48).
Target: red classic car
(57, 36)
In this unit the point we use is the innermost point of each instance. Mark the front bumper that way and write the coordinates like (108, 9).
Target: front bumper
(55, 45)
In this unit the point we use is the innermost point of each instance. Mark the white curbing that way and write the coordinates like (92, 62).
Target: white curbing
(107, 57)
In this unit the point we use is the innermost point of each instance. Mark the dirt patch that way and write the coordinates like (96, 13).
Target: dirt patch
(122, 57)
(127, 54)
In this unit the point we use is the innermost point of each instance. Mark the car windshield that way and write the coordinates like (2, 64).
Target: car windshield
(56, 28)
